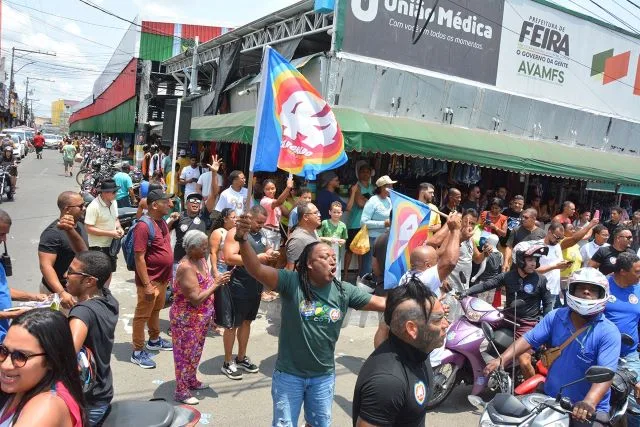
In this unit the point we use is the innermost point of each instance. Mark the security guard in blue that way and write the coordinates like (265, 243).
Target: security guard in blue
(592, 340)
(623, 309)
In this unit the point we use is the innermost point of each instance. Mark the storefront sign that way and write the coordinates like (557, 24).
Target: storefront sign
(551, 55)
(462, 38)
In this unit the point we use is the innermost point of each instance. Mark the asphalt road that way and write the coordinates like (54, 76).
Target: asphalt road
(239, 403)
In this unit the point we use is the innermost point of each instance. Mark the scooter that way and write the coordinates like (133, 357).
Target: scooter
(537, 410)
(154, 413)
(462, 359)
(6, 189)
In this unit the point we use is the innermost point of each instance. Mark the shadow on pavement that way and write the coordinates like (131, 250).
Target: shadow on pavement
(351, 363)
(212, 366)
(122, 351)
(166, 390)
(345, 404)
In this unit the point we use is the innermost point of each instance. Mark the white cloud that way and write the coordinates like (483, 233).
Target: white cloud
(73, 28)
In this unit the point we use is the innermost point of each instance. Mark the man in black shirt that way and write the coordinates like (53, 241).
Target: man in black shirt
(56, 250)
(528, 230)
(613, 222)
(473, 199)
(454, 197)
(513, 214)
(525, 284)
(393, 386)
(605, 258)
(93, 323)
(192, 218)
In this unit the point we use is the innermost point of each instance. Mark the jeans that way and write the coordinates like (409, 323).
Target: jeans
(367, 259)
(289, 392)
(632, 362)
(148, 312)
(124, 202)
(96, 414)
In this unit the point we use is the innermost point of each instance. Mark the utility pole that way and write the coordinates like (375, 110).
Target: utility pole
(13, 52)
(194, 69)
(26, 93)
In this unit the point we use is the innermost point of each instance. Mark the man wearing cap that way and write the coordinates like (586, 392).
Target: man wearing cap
(189, 176)
(375, 214)
(154, 267)
(329, 182)
(101, 220)
(195, 216)
(124, 196)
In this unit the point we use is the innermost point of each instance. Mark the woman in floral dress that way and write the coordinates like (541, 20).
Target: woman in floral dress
(192, 313)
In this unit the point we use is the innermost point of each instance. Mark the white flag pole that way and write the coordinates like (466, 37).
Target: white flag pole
(256, 134)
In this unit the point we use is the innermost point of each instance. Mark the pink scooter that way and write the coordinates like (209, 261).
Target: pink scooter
(462, 359)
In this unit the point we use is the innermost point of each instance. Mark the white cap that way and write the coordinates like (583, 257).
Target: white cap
(384, 180)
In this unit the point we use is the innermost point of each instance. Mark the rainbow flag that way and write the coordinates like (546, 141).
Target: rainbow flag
(409, 229)
(295, 128)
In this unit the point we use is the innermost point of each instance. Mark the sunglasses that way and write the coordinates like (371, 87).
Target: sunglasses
(70, 272)
(194, 201)
(18, 358)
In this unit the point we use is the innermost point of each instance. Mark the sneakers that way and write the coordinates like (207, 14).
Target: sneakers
(231, 371)
(190, 401)
(160, 345)
(143, 359)
(247, 365)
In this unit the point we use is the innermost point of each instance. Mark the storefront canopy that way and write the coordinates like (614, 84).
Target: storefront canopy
(396, 135)
(606, 187)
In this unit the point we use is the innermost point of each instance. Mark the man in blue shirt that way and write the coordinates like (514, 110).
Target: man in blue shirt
(623, 309)
(125, 195)
(597, 344)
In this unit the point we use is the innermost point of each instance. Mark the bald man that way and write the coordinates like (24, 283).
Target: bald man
(454, 197)
(430, 269)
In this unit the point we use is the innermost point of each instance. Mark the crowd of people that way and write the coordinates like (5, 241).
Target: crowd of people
(233, 250)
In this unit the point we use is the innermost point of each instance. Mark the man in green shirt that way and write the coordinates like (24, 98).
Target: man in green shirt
(313, 308)
(68, 155)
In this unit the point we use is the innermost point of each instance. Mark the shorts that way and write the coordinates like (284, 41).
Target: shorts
(68, 163)
(351, 233)
(39, 150)
(525, 326)
(230, 312)
(114, 259)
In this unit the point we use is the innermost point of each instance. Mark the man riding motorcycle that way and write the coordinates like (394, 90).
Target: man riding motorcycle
(8, 162)
(525, 284)
(590, 340)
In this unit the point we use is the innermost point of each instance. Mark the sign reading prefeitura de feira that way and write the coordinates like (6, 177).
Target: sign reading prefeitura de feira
(462, 38)
(549, 54)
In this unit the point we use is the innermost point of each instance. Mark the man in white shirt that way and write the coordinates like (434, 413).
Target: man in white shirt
(101, 220)
(600, 237)
(204, 184)
(189, 177)
(234, 197)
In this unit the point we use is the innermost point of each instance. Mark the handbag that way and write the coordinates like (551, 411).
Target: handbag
(549, 356)
(360, 243)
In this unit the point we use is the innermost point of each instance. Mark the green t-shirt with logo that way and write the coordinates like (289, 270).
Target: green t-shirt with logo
(309, 332)
(329, 229)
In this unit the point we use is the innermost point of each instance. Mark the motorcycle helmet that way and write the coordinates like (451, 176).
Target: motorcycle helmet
(586, 307)
(529, 249)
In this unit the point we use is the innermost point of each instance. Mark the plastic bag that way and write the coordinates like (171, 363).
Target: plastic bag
(360, 243)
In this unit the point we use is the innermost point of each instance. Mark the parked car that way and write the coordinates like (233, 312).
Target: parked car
(51, 140)
(20, 147)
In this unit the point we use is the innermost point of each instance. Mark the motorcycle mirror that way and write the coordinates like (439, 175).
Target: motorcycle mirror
(599, 374)
(477, 402)
(626, 339)
(487, 330)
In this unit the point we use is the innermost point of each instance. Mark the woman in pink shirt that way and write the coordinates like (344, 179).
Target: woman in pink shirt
(272, 205)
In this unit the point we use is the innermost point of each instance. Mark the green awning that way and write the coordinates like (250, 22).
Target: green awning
(606, 187)
(367, 132)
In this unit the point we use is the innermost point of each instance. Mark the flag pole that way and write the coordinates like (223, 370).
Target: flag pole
(254, 143)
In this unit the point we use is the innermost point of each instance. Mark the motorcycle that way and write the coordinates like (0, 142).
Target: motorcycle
(462, 359)
(538, 409)
(154, 413)
(5, 183)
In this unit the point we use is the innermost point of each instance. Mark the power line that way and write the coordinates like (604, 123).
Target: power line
(615, 17)
(626, 10)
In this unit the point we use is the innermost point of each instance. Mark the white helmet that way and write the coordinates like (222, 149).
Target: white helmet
(588, 307)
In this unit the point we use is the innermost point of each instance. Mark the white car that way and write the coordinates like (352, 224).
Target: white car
(51, 140)
(20, 147)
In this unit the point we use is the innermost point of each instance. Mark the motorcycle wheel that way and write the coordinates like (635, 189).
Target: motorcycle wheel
(444, 378)
(80, 176)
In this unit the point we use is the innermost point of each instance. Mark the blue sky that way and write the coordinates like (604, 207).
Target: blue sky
(84, 38)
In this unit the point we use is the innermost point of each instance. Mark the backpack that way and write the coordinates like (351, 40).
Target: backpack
(127, 242)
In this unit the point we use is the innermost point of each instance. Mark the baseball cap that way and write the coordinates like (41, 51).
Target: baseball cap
(384, 180)
(156, 195)
(194, 196)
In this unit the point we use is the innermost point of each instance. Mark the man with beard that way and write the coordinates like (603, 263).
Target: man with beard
(426, 194)
(454, 197)
(57, 248)
(393, 384)
(528, 230)
(304, 234)
(605, 258)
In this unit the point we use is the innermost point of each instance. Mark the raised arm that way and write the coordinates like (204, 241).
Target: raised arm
(283, 197)
(214, 167)
(449, 257)
(579, 235)
(266, 275)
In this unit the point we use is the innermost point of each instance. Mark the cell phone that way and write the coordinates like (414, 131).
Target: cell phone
(596, 215)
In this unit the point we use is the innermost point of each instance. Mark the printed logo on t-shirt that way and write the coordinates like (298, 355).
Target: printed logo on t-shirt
(316, 311)
(612, 298)
(184, 227)
(420, 392)
(612, 260)
(528, 288)
(196, 220)
(633, 299)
